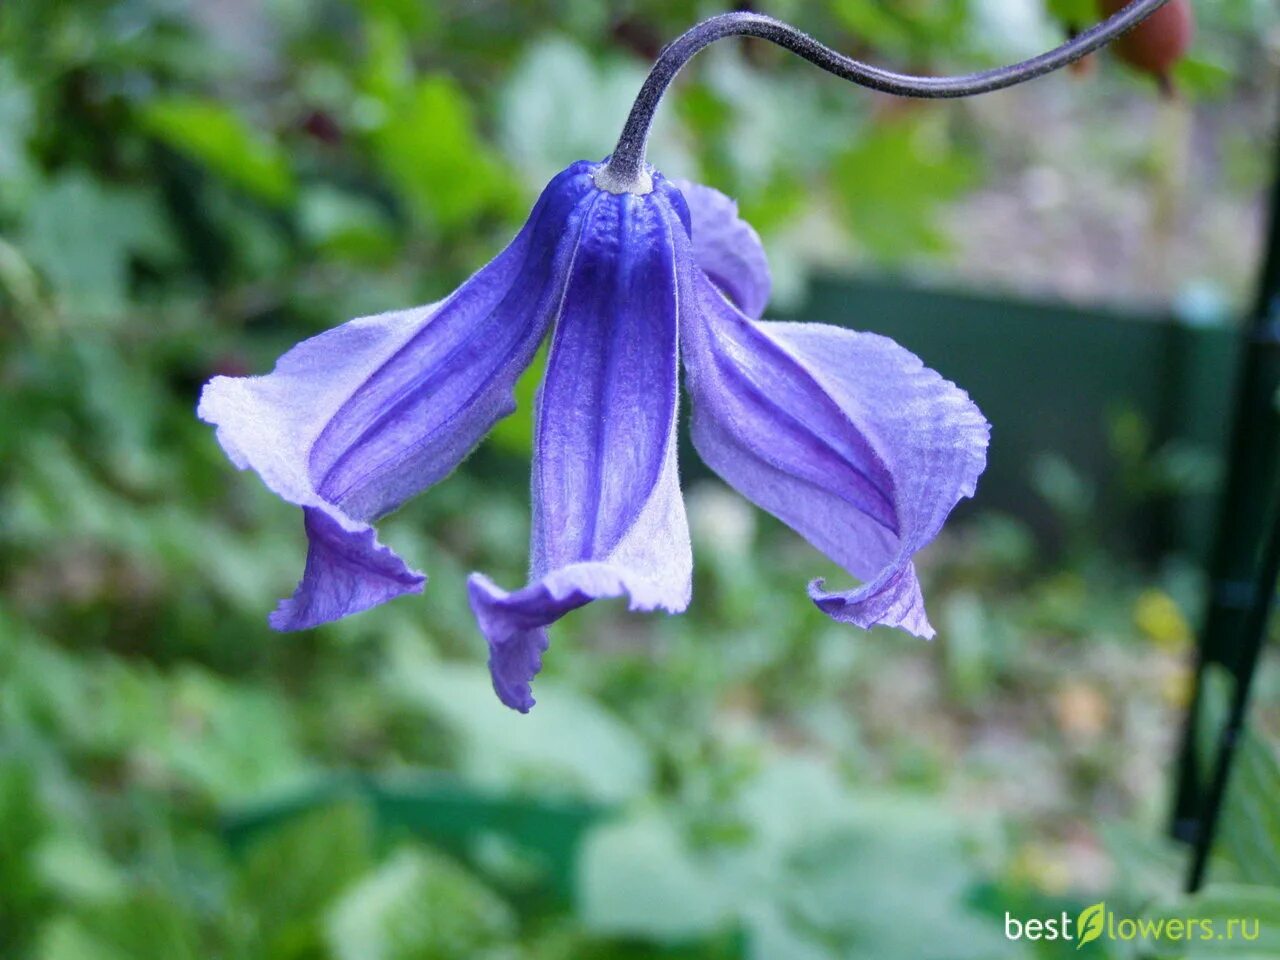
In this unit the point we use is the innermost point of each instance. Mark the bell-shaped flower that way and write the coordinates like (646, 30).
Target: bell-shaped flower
(846, 437)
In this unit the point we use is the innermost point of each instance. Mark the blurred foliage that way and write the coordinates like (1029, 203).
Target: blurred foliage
(187, 189)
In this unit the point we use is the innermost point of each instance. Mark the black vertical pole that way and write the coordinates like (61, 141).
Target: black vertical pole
(1255, 631)
(1241, 584)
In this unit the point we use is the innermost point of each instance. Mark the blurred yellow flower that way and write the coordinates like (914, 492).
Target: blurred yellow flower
(1176, 686)
(1038, 867)
(1161, 620)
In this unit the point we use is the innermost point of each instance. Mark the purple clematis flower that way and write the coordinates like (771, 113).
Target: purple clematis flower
(846, 437)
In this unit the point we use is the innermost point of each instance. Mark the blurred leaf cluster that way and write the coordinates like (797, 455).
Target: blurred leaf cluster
(187, 189)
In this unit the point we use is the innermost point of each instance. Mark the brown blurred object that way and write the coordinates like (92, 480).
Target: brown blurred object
(1159, 42)
(1083, 67)
(638, 36)
(1082, 711)
(321, 125)
(1086, 65)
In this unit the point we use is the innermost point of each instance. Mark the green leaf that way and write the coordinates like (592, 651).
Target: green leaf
(1249, 832)
(291, 875)
(906, 29)
(835, 886)
(1202, 77)
(636, 878)
(814, 873)
(894, 183)
(82, 235)
(1248, 842)
(236, 742)
(567, 741)
(345, 225)
(212, 135)
(428, 147)
(419, 905)
(811, 880)
(869, 21)
(149, 926)
(78, 871)
(1076, 14)
(23, 823)
(795, 797)
(387, 70)
(17, 122)
(772, 936)
(538, 132)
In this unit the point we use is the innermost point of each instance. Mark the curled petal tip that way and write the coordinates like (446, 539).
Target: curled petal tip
(897, 604)
(515, 644)
(514, 622)
(347, 571)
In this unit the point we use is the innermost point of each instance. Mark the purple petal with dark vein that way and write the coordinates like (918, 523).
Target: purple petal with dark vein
(608, 516)
(727, 248)
(353, 422)
(846, 437)
(347, 570)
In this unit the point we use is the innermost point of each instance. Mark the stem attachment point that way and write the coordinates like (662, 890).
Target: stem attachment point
(635, 179)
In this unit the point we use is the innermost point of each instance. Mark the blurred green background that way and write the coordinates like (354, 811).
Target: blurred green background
(189, 188)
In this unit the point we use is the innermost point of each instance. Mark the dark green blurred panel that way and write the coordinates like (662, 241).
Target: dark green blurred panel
(1049, 376)
(444, 812)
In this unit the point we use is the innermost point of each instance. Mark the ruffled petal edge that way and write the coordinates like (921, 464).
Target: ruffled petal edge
(514, 622)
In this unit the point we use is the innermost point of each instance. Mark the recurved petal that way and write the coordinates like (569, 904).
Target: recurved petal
(846, 437)
(608, 518)
(347, 570)
(353, 422)
(270, 424)
(727, 248)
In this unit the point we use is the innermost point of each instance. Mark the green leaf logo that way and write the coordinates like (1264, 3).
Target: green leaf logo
(1090, 923)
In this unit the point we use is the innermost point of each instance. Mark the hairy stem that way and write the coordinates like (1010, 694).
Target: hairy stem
(625, 172)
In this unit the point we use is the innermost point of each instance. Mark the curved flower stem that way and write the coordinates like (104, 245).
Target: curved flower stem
(625, 171)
